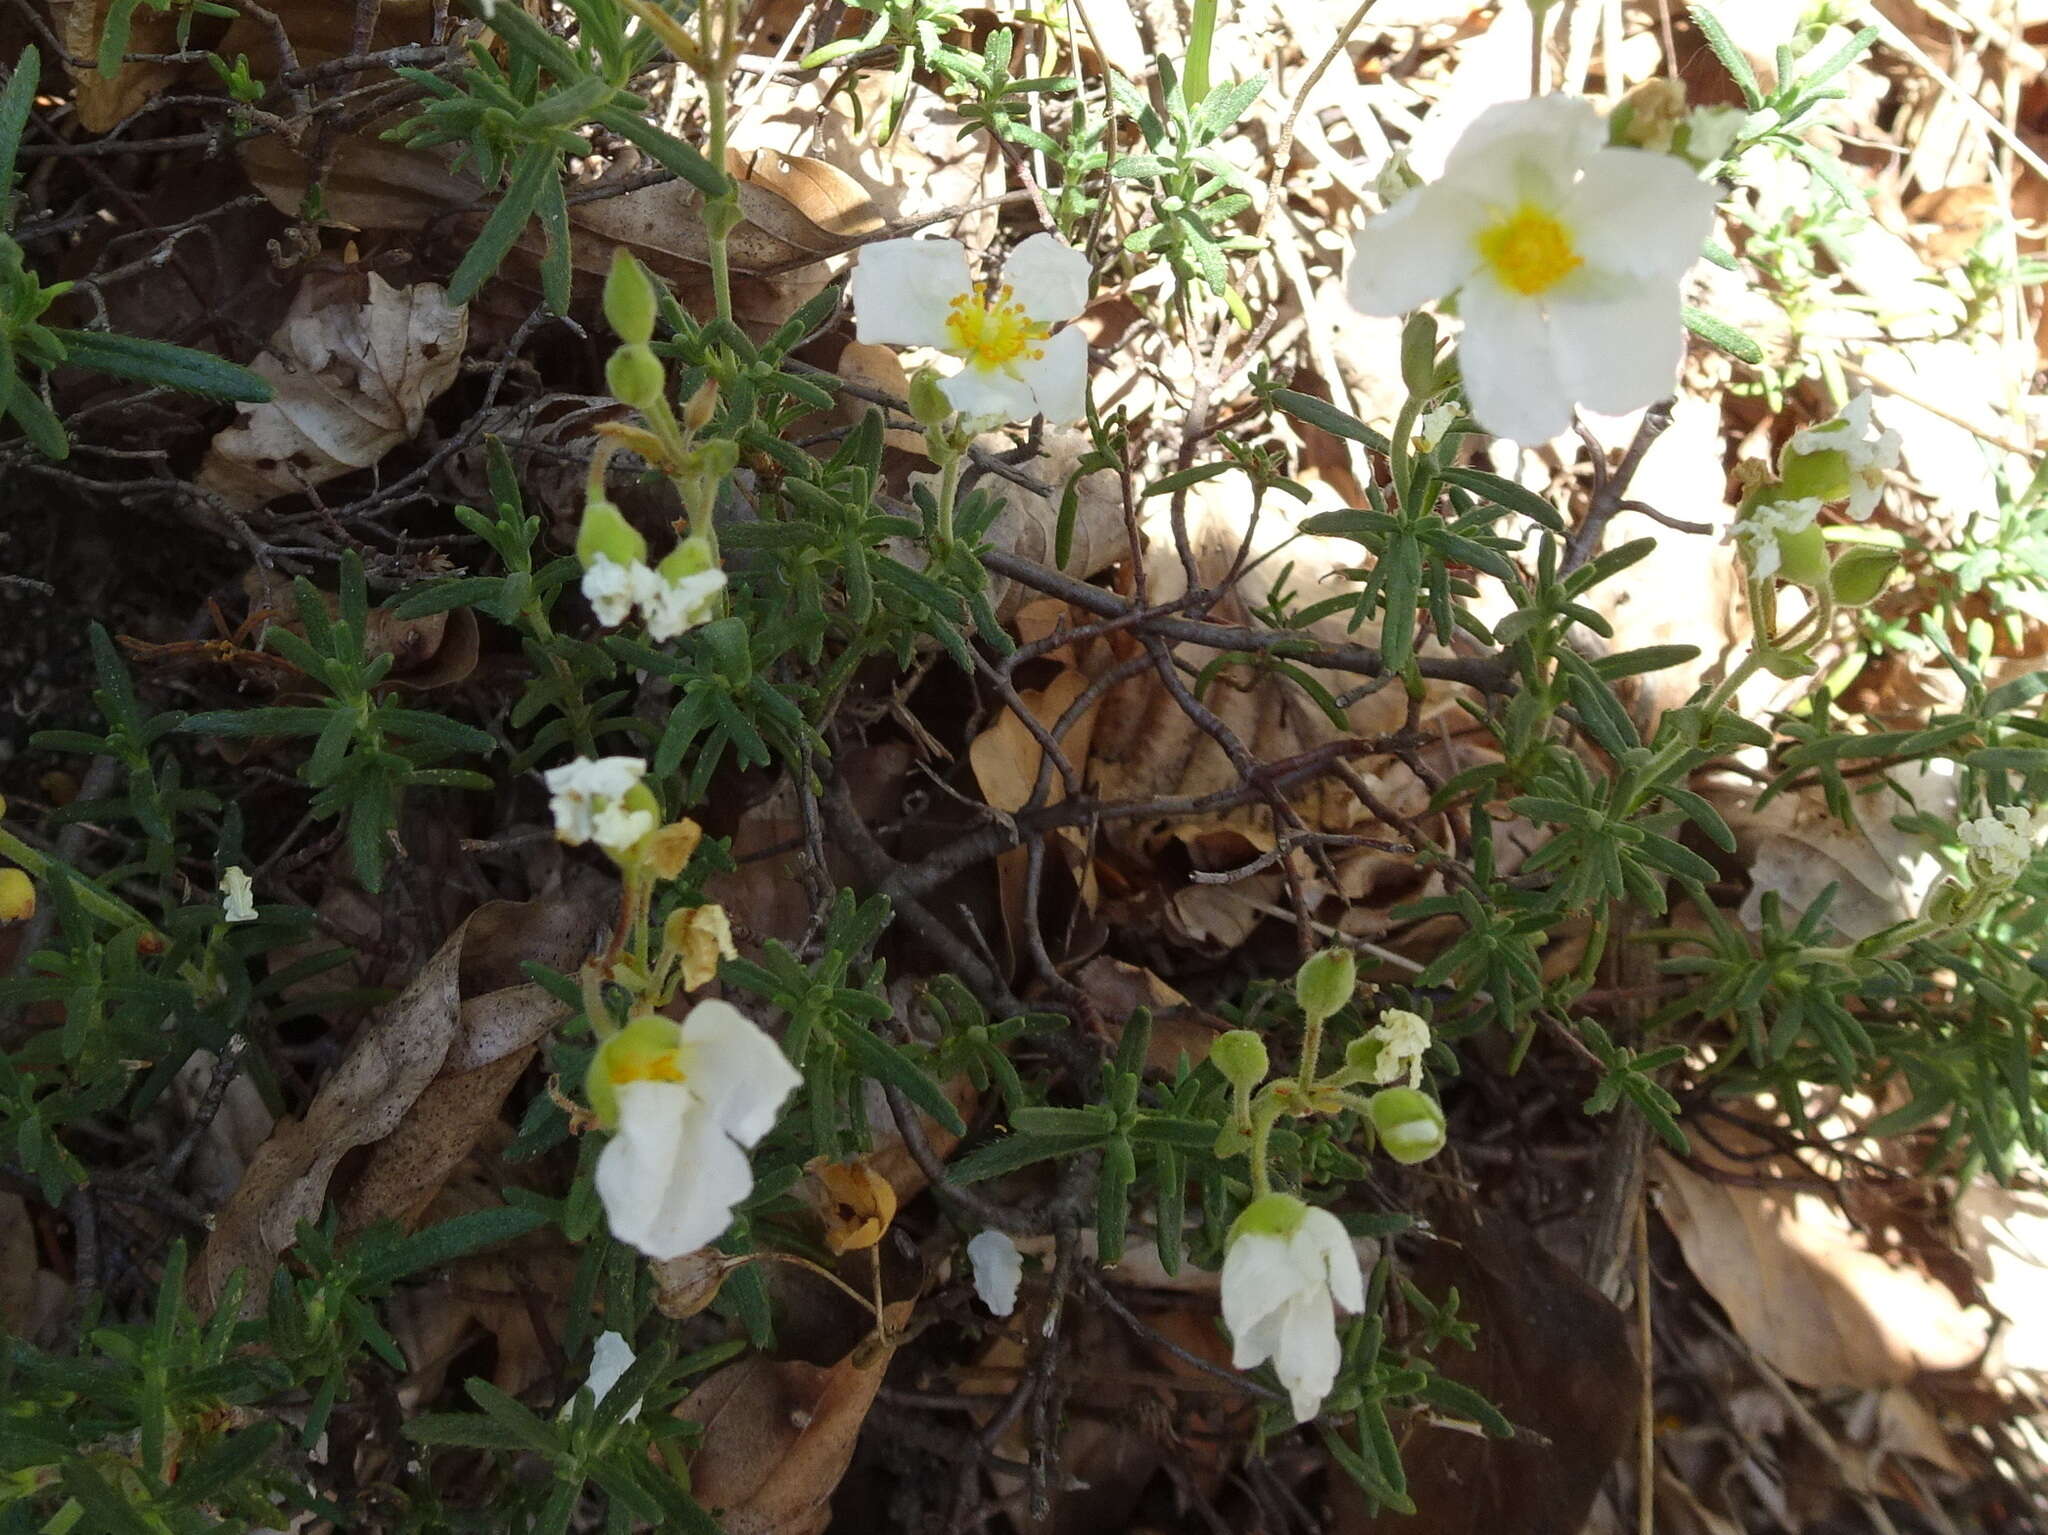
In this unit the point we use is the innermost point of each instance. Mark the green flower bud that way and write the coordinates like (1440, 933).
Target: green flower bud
(629, 303)
(1270, 1215)
(1409, 1122)
(929, 406)
(1241, 1056)
(1325, 982)
(649, 1049)
(605, 531)
(1418, 354)
(1861, 571)
(635, 375)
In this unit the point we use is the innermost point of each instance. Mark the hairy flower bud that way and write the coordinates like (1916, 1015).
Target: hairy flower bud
(635, 375)
(629, 302)
(1409, 1122)
(1861, 571)
(17, 896)
(605, 532)
(1241, 1056)
(1325, 982)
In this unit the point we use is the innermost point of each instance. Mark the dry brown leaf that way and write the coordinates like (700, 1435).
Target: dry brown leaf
(355, 366)
(2004, 1235)
(238, 1127)
(428, 1033)
(104, 100)
(779, 1434)
(1802, 1287)
(32, 1298)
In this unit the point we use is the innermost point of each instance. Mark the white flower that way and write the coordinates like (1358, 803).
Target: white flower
(1287, 1268)
(1761, 526)
(2004, 843)
(918, 293)
(1430, 429)
(997, 1268)
(612, 1357)
(1404, 1039)
(588, 801)
(238, 892)
(672, 605)
(688, 1100)
(1566, 257)
(1870, 450)
(614, 590)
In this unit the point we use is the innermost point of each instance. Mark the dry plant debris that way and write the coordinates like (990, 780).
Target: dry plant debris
(626, 904)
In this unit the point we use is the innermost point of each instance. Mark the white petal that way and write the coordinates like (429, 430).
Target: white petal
(671, 1176)
(1526, 148)
(1058, 381)
(1048, 278)
(998, 1266)
(1309, 1353)
(612, 1357)
(1618, 348)
(1419, 249)
(1511, 375)
(673, 606)
(618, 828)
(1618, 341)
(611, 590)
(238, 895)
(1335, 1260)
(739, 1073)
(990, 396)
(1641, 213)
(901, 290)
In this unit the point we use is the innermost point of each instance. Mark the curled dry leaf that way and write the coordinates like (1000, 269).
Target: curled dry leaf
(421, 1083)
(355, 366)
(779, 1434)
(855, 1202)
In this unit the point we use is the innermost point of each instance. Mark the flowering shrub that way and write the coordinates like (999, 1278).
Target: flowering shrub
(825, 983)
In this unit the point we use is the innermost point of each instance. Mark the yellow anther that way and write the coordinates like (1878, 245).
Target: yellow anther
(992, 333)
(1529, 251)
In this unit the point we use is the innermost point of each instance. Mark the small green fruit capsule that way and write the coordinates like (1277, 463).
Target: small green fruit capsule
(1241, 1056)
(1803, 557)
(1325, 982)
(629, 302)
(635, 375)
(1861, 571)
(606, 532)
(1410, 1125)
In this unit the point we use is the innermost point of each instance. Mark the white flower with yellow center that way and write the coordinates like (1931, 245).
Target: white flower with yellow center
(1867, 452)
(1566, 257)
(686, 1101)
(1015, 365)
(1287, 1268)
(589, 801)
(2003, 844)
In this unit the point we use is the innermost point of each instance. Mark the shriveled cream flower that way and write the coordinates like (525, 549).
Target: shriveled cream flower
(1566, 257)
(1286, 1270)
(2002, 845)
(1764, 528)
(589, 800)
(1404, 1040)
(1866, 452)
(998, 1267)
(672, 606)
(613, 590)
(686, 1102)
(238, 895)
(1016, 366)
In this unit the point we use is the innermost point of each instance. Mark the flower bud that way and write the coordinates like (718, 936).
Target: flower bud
(1325, 982)
(606, 532)
(649, 1049)
(1418, 354)
(690, 557)
(1241, 1056)
(635, 375)
(929, 406)
(1409, 1122)
(1861, 571)
(697, 410)
(17, 896)
(629, 302)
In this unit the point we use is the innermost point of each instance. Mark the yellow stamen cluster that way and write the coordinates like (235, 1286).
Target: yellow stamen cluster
(1529, 251)
(993, 333)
